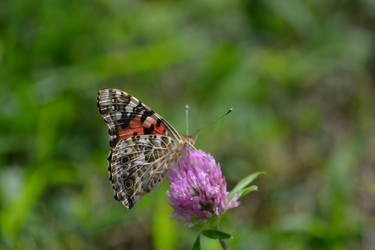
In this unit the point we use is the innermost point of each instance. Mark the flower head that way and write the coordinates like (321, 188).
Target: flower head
(198, 189)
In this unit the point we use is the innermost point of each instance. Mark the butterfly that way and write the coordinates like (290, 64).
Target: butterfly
(143, 145)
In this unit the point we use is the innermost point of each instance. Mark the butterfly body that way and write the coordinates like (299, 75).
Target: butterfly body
(143, 145)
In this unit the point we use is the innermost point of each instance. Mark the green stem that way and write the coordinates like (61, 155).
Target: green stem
(223, 244)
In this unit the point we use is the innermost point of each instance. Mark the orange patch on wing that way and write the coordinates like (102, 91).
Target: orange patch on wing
(160, 130)
(128, 132)
(135, 124)
(136, 127)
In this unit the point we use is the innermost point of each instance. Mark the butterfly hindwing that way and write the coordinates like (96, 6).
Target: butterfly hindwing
(139, 164)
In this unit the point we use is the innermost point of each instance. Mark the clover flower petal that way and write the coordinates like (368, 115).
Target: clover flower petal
(198, 189)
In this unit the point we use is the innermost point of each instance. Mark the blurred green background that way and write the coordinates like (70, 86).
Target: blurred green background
(299, 74)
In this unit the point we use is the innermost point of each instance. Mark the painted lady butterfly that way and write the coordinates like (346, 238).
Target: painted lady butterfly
(143, 146)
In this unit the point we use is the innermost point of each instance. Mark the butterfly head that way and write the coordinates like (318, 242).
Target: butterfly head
(189, 140)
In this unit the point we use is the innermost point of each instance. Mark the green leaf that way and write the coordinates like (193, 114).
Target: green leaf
(245, 182)
(245, 191)
(215, 234)
(197, 243)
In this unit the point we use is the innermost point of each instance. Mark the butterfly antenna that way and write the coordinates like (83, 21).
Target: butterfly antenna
(187, 118)
(210, 123)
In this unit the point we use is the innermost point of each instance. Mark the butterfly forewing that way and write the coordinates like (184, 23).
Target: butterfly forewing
(126, 116)
(143, 146)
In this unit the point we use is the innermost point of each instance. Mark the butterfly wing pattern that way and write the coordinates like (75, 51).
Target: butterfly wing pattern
(143, 145)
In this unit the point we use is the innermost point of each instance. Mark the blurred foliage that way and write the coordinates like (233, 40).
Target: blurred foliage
(299, 74)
